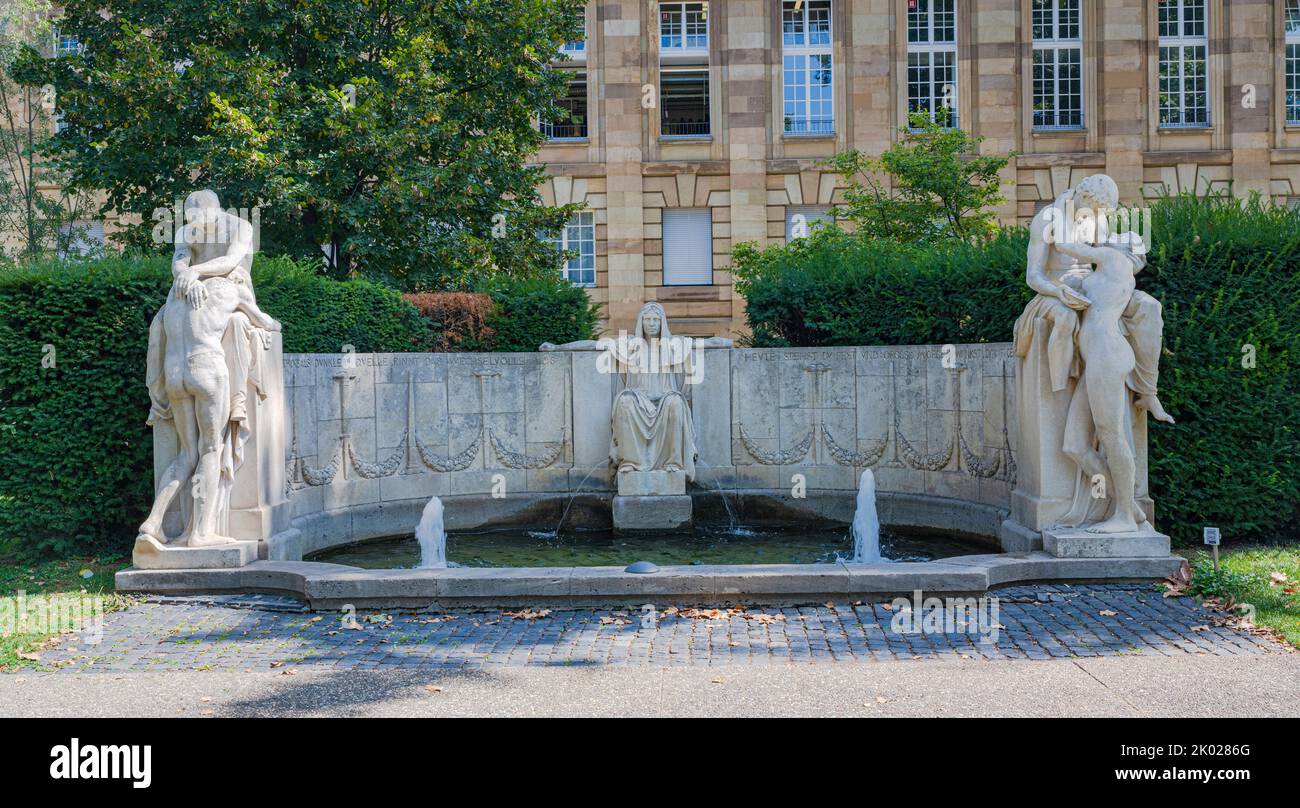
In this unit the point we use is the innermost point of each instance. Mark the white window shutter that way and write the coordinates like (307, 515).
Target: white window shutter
(688, 247)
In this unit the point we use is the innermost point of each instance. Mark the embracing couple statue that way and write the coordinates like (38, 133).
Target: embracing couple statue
(1095, 340)
(206, 349)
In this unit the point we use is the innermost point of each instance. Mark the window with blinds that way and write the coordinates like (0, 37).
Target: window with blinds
(688, 247)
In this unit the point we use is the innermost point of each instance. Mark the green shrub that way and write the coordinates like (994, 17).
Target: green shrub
(837, 288)
(528, 312)
(321, 315)
(1227, 273)
(76, 458)
(76, 468)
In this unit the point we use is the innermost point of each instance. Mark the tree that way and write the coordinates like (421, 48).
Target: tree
(395, 133)
(38, 212)
(939, 186)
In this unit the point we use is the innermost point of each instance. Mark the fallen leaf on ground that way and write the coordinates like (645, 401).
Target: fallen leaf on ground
(33, 657)
(527, 614)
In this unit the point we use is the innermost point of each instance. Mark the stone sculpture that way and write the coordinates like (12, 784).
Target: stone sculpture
(1088, 349)
(652, 433)
(206, 352)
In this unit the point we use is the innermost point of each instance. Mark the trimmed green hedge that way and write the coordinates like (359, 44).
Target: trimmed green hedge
(528, 312)
(1227, 273)
(76, 459)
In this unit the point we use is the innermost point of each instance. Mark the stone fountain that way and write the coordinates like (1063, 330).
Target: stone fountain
(1040, 445)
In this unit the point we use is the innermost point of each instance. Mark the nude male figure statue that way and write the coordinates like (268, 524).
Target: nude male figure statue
(197, 386)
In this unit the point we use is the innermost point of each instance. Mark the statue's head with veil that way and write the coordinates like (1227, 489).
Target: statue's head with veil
(651, 357)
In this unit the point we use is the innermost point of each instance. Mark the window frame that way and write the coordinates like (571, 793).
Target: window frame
(805, 52)
(1056, 45)
(547, 128)
(678, 9)
(1291, 62)
(564, 243)
(706, 216)
(708, 102)
(577, 50)
(1180, 43)
(928, 49)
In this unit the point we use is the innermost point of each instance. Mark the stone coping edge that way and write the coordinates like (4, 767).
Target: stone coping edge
(331, 586)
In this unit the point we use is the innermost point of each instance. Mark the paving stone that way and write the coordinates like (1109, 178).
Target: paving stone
(257, 631)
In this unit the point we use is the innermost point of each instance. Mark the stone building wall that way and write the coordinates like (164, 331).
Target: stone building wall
(747, 172)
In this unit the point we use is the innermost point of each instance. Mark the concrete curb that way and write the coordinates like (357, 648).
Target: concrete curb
(331, 586)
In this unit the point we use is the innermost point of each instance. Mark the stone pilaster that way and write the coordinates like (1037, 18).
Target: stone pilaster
(1122, 85)
(1250, 93)
(622, 31)
(747, 51)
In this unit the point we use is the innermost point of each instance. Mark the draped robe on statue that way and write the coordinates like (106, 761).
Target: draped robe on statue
(652, 425)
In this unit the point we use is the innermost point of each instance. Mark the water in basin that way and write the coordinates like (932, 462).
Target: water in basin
(704, 545)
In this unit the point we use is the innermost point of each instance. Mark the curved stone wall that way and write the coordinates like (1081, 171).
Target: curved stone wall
(507, 437)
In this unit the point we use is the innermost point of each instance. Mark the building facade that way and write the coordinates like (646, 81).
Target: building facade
(695, 126)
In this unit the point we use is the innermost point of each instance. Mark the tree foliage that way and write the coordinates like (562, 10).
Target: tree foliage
(395, 132)
(938, 186)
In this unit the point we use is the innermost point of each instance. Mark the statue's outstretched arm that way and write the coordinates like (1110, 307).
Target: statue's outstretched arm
(715, 342)
(579, 345)
(1080, 251)
(248, 305)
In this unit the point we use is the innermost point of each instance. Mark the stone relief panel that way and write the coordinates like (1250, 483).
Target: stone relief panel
(928, 421)
(369, 429)
(366, 418)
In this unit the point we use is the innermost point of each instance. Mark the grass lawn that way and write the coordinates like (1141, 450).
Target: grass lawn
(51, 592)
(1250, 575)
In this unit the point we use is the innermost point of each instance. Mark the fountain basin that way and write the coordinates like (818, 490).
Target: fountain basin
(332, 586)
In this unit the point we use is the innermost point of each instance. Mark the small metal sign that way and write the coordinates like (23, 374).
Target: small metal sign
(1212, 536)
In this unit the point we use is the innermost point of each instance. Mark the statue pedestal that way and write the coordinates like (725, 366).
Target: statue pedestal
(651, 483)
(652, 500)
(149, 554)
(1045, 476)
(1079, 543)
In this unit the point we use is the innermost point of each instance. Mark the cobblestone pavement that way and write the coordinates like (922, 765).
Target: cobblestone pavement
(261, 633)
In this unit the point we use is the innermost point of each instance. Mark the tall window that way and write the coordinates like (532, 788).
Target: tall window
(1058, 65)
(572, 123)
(579, 235)
(1293, 62)
(577, 49)
(809, 103)
(684, 101)
(932, 59)
(684, 69)
(1184, 48)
